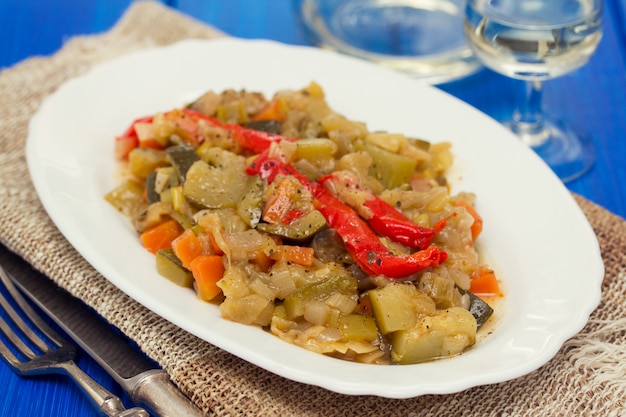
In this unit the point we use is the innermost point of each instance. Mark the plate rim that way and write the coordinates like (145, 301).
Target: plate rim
(51, 207)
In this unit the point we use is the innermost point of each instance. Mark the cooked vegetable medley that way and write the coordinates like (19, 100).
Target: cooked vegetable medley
(294, 218)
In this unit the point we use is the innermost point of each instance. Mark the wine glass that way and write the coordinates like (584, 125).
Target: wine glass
(536, 40)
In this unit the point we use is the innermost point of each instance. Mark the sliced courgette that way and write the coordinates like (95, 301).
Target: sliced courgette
(298, 230)
(169, 266)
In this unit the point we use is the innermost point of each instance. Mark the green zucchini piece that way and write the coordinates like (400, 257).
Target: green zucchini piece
(298, 230)
(397, 306)
(143, 161)
(441, 288)
(446, 333)
(315, 149)
(182, 158)
(358, 327)
(127, 197)
(391, 169)
(218, 186)
(295, 303)
(169, 266)
(250, 207)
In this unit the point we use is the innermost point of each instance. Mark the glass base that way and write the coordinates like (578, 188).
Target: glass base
(568, 151)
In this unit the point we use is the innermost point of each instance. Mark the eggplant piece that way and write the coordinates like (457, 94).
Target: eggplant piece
(182, 158)
(479, 309)
(329, 247)
(151, 194)
(269, 126)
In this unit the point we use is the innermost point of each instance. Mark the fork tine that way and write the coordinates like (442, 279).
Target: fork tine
(7, 353)
(36, 349)
(34, 317)
(11, 334)
(55, 356)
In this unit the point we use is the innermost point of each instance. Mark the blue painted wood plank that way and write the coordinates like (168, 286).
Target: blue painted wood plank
(594, 97)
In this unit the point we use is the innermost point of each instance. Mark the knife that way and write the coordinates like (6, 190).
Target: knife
(146, 384)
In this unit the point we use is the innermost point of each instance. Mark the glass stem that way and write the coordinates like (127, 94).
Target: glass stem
(528, 122)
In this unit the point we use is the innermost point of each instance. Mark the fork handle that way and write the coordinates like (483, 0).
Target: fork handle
(154, 390)
(105, 401)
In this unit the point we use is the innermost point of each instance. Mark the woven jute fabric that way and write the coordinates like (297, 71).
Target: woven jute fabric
(586, 378)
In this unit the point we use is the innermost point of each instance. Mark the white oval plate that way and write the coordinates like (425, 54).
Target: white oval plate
(535, 234)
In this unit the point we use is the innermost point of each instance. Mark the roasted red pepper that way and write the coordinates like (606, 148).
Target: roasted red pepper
(255, 140)
(385, 219)
(389, 222)
(361, 242)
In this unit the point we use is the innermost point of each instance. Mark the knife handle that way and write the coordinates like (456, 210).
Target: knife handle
(155, 391)
(106, 403)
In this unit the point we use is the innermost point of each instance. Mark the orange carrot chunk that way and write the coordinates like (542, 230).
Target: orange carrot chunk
(161, 235)
(296, 254)
(484, 282)
(187, 247)
(207, 270)
(275, 110)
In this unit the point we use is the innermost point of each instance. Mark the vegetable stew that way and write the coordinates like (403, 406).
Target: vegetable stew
(294, 218)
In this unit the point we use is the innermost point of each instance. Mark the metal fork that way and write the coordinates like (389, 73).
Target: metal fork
(33, 354)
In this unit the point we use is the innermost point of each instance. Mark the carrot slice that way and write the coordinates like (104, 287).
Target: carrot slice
(477, 226)
(295, 254)
(207, 270)
(187, 247)
(275, 110)
(484, 282)
(161, 235)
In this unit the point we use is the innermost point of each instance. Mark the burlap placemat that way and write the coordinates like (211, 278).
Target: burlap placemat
(587, 377)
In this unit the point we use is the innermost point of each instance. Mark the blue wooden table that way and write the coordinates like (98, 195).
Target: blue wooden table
(594, 97)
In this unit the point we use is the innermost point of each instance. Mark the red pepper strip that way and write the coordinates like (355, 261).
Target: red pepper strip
(389, 222)
(361, 242)
(385, 219)
(365, 247)
(255, 140)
